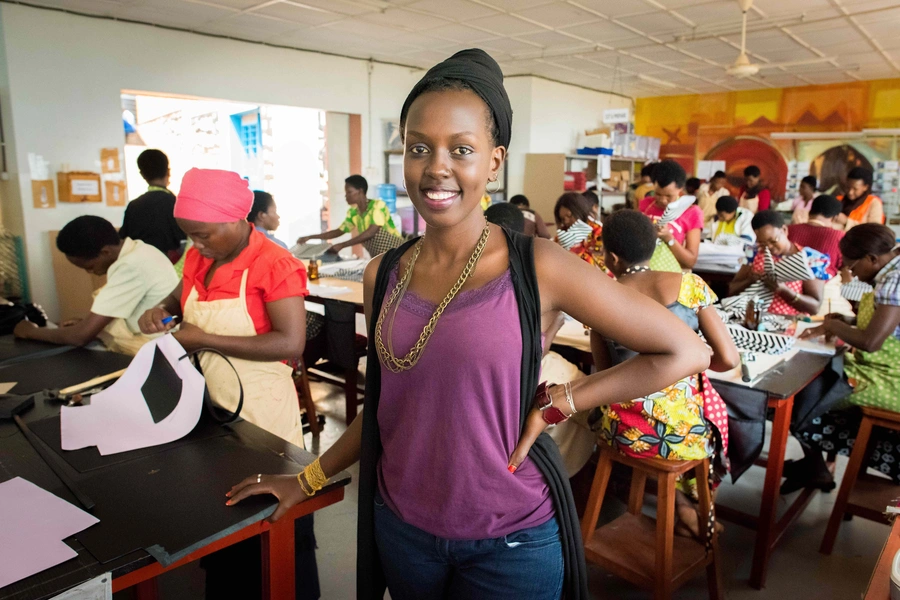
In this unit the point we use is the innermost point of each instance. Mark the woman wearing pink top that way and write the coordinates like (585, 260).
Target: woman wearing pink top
(682, 234)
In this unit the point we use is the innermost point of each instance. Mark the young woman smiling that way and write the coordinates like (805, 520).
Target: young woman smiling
(461, 493)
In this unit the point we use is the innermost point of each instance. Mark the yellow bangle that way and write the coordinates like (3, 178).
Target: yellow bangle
(309, 493)
(315, 477)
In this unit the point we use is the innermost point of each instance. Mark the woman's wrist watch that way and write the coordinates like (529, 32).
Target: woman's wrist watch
(671, 242)
(544, 402)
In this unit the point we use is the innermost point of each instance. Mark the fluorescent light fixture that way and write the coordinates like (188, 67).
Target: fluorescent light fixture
(656, 81)
(881, 131)
(816, 135)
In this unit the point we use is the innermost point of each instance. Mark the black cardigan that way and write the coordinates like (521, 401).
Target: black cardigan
(370, 581)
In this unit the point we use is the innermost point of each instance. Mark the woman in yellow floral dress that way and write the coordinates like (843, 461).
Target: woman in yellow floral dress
(687, 420)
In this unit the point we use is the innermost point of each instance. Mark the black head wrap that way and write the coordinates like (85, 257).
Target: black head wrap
(477, 71)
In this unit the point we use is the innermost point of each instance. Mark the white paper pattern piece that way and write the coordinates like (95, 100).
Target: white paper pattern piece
(34, 524)
(855, 290)
(758, 366)
(327, 291)
(676, 209)
(575, 234)
(790, 268)
(760, 341)
(118, 418)
(98, 588)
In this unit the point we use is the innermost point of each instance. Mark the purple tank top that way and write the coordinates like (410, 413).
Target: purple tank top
(449, 425)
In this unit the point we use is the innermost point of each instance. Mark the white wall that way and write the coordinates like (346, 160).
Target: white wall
(65, 75)
(548, 117)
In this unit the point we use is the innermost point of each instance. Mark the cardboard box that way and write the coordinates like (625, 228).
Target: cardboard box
(79, 186)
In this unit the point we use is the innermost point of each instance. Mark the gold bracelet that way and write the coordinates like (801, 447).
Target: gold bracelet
(309, 492)
(315, 477)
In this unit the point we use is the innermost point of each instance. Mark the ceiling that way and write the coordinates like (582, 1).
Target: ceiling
(631, 47)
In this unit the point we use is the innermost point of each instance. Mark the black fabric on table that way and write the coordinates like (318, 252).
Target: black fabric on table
(89, 459)
(62, 370)
(172, 503)
(14, 350)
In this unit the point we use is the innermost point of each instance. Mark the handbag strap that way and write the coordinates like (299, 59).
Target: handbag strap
(217, 412)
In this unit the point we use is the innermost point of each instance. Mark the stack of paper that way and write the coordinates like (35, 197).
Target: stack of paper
(715, 257)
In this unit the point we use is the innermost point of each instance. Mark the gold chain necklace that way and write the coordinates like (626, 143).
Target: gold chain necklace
(386, 352)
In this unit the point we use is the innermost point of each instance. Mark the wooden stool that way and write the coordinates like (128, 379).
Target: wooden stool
(304, 397)
(639, 549)
(861, 494)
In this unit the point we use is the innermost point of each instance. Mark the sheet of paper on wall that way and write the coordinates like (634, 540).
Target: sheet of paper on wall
(98, 588)
(707, 168)
(109, 160)
(158, 400)
(35, 523)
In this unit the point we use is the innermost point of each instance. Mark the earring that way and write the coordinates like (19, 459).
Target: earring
(495, 190)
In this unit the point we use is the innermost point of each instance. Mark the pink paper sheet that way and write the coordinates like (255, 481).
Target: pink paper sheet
(118, 420)
(34, 524)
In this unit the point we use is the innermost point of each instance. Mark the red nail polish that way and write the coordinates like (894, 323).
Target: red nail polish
(512, 468)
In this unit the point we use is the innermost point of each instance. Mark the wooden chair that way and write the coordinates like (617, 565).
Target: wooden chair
(639, 549)
(304, 397)
(343, 348)
(861, 494)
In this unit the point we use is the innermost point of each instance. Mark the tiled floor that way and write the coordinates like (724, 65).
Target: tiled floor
(797, 571)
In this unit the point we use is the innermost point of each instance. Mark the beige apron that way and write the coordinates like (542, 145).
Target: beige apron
(116, 336)
(270, 398)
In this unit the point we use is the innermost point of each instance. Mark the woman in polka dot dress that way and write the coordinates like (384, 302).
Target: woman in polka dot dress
(873, 369)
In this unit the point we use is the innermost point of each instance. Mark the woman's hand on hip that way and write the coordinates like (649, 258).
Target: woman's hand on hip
(284, 487)
(534, 427)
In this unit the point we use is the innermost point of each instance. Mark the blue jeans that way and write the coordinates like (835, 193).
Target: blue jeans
(525, 565)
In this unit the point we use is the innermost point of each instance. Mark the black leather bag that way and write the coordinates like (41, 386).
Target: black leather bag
(12, 313)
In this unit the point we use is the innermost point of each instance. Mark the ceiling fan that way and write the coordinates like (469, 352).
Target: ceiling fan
(742, 67)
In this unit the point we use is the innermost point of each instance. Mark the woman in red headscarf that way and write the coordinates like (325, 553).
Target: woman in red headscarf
(243, 296)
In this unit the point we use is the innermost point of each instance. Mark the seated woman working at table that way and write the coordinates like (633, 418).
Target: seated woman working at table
(792, 297)
(680, 238)
(371, 219)
(732, 226)
(872, 369)
(138, 277)
(577, 230)
(694, 417)
(264, 217)
(243, 296)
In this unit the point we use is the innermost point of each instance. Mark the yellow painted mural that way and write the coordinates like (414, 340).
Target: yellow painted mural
(736, 126)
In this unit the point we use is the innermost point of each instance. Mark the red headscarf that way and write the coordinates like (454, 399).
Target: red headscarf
(213, 196)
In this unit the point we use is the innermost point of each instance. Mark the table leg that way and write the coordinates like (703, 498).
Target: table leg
(147, 590)
(766, 531)
(278, 574)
